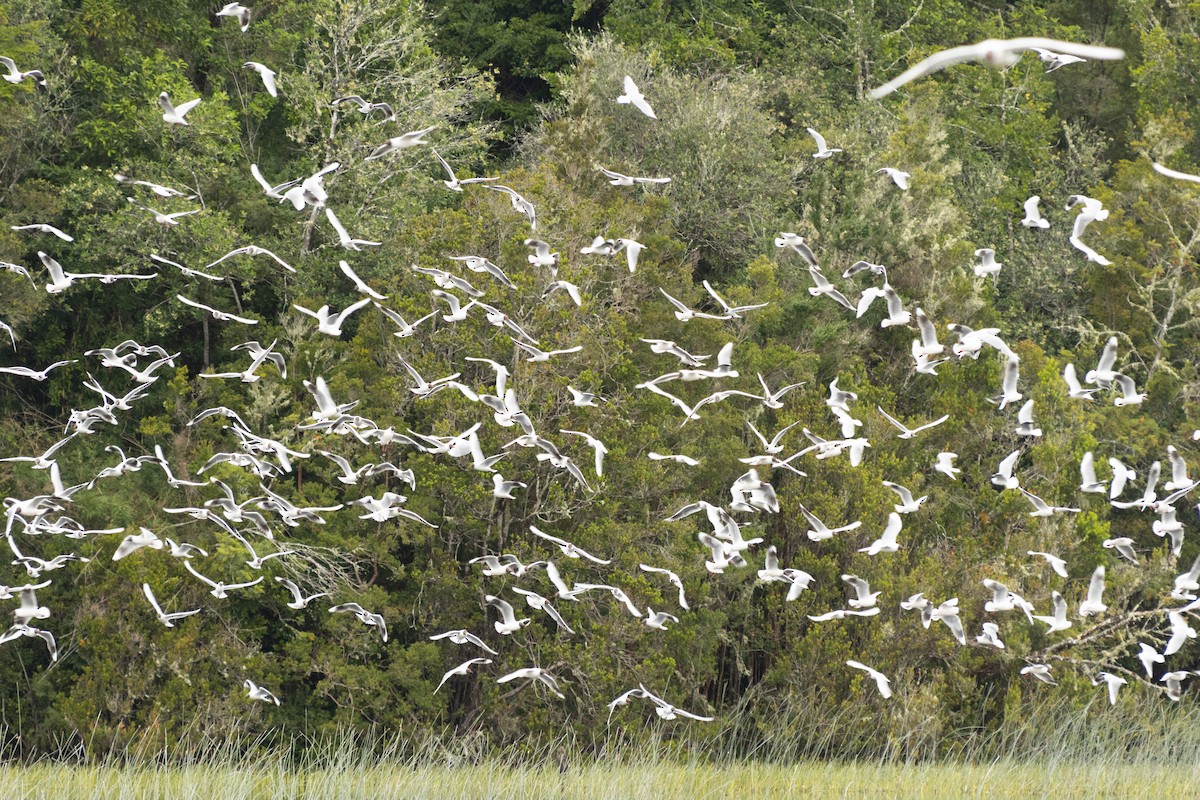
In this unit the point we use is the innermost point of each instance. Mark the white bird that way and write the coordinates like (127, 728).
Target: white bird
(1057, 564)
(344, 238)
(907, 504)
(536, 601)
(502, 489)
(823, 150)
(1025, 424)
(633, 96)
(1174, 681)
(617, 179)
(1008, 389)
(882, 683)
(684, 314)
(970, 342)
(534, 674)
(405, 329)
(945, 465)
(773, 446)
(406, 140)
(1039, 671)
(1075, 390)
(672, 577)
(242, 14)
(820, 531)
(367, 618)
(163, 617)
(624, 699)
(1124, 547)
(633, 250)
(541, 255)
(886, 543)
(1168, 525)
(842, 613)
(274, 192)
(35, 374)
(461, 669)
(299, 601)
(839, 398)
(136, 541)
(537, 354)
(1003, 476)
(61, 280)
(899, 177)
(678, 459)
(256, 692)
(1129, 393)
(1179, 476)
(311, 190)
(796, 243)
(667, 711)
(1181, 631)
(990, 636)
(175, 114)
(1113, 682)
(253, 250)
(822, 286)
(1033, 217)
(15, 76)
(1170, 173)
(1058, 621)
(1043, 509)
(922, 363)
(998, 53)
(455, 184)
(220, 589)
(1121, 475)
(29, 608)
(571, 289)
(1093, 603)
(864, 597)
(905, 431)
(463, 636)
(596, 445)
(483, 265)
(1187, 583)
(1149, 657)
(330, 323)
(1104, 373)
(569, 549)
(1091, 254)
(928, 344)
(17, 631)
(1054, 60)
(223, 316)
(365, 107)
(266, 73)
(43, 228)
(658, 619)
(508, 623)
(519, 204)
(987, 264)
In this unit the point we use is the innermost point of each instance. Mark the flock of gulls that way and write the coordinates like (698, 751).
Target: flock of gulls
(253, 522)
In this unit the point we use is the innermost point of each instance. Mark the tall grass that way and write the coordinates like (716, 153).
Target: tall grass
(1056, 750)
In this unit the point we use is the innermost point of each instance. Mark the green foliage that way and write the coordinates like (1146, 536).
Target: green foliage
(735, 86)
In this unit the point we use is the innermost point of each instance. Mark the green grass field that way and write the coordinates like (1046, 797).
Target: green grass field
(630, 782)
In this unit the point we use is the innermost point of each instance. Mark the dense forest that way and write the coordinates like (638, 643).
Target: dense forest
(526, 92)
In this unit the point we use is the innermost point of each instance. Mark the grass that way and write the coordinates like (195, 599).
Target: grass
(1054, 751)
(270, 780)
